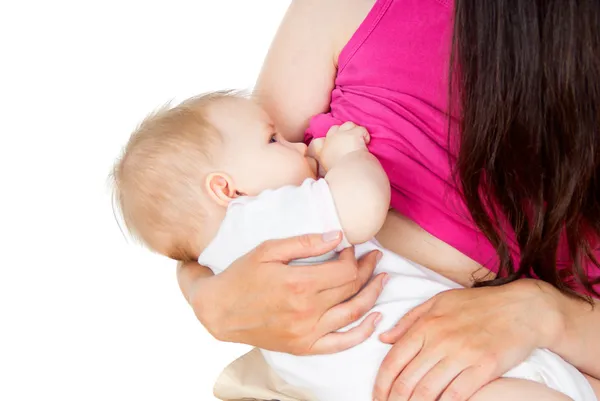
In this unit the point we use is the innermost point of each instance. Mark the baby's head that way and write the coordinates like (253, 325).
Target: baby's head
(183, 165)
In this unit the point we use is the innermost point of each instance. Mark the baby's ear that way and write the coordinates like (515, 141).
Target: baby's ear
(220, 188)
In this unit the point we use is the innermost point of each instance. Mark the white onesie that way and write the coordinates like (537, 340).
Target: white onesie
(350, 375)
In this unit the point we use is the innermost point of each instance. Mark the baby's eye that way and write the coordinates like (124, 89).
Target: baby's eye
(273, 138)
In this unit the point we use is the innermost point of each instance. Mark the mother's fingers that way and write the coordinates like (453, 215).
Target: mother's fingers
(363, 271)
(337, 342)
(300, 247)
(436, 380)
(468, 383)
(405, 385)
(350, 311)
(334, 274)
(394, 362)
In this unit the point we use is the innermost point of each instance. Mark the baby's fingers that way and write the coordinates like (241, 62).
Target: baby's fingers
(315, 147)
(365, 135)
(357, 130)
(347, 126)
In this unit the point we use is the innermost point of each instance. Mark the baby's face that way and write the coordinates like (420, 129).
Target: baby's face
(255, 155)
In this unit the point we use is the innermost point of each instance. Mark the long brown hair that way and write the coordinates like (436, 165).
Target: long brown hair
(529, 87)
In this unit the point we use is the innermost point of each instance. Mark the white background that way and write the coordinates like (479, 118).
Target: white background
(85, 314)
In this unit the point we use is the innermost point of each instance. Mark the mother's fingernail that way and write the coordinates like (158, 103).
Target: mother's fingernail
(385, 280)
(379, 255)
(377, 320)
(331, 236)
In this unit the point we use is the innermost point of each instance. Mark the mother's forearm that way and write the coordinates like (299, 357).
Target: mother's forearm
(194, 280)
(577, 340)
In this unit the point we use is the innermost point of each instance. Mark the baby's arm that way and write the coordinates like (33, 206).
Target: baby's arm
(358, 184)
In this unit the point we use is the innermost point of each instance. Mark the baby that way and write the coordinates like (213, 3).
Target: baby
(210, 179)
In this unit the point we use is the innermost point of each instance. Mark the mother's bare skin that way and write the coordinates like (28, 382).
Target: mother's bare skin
(406, 238)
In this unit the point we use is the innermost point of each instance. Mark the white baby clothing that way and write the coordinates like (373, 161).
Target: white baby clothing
(350, 374)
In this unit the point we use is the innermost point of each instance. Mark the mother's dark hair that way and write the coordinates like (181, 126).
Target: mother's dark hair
(529, 85)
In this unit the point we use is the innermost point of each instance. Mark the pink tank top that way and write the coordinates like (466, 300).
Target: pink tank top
(393, 79)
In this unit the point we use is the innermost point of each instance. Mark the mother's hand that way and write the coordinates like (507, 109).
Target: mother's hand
(460, 340)
(262, 301)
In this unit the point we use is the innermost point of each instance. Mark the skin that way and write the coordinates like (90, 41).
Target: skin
(253, 157)
(517, 390)
(480, 341)
(293, 89)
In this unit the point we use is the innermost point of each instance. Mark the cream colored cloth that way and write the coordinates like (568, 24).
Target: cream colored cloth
(250, 378)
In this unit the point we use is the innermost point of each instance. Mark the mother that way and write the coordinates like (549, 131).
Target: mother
(522, 209)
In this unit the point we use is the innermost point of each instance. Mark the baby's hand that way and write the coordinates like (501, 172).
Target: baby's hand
(340, 141)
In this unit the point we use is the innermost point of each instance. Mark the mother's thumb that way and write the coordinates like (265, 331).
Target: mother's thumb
(300, 247)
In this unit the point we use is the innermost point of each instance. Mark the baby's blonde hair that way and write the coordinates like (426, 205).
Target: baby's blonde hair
(159, 179)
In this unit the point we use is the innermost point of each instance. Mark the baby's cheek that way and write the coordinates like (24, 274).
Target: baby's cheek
(298, 175)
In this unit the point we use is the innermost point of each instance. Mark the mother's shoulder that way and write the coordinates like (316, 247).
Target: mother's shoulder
(335, 19)
(350, 15)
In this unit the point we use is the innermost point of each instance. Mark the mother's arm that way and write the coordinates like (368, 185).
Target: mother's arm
(299, 71)
(577, 339)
